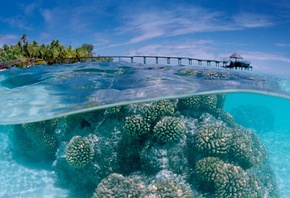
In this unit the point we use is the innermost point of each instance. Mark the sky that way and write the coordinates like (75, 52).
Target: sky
(259, 30)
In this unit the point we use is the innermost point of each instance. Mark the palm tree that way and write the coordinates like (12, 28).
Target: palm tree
(24, 39)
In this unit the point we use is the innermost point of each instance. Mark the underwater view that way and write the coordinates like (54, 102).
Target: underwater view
(119, 129)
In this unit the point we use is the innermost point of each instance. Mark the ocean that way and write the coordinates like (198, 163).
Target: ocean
(132, 130)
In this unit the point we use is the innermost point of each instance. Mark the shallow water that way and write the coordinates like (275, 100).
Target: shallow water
(72, 130)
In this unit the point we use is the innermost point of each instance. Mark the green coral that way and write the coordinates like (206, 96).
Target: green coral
(213, 140)
(116, 185)
(135, 126)
(169, 129)
(79, 152)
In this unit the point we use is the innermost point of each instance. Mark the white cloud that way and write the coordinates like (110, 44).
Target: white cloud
(47, 15)
(252, 20)
(193, 49)
(282, 44)
(16, 22)
(263, 56)
(148, 24)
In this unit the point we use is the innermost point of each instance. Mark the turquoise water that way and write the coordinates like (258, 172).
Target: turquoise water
(132, 130)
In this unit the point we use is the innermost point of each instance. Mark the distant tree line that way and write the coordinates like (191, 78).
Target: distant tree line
(44, 53)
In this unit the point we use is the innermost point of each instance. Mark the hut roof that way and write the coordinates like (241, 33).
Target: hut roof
(236, 56)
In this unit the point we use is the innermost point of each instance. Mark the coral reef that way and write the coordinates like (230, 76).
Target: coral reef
(37, 140)
(156, 110)
(246, 149)
(155, 157)
(227, 180)
(186, 147)
(225, 117)
(79, 152)
(135, 126)
(213, 140)
(116, 185)
(169, 129)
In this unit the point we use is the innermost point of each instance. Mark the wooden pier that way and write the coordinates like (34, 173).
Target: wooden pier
(182, 61)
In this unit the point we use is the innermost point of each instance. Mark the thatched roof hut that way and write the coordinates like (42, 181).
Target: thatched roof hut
(236, 56)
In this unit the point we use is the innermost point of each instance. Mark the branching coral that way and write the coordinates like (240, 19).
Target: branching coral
(79, 152)
(169, 129)
(116, 185)
(135, 126)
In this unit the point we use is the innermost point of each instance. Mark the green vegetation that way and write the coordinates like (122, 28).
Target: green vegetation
(24, 53)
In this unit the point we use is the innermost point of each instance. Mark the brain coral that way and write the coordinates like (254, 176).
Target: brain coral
(156, 110)
(226, 180)
(213, 140)
(135, 126)
(246, 149)
(169, 129)
(79, 152)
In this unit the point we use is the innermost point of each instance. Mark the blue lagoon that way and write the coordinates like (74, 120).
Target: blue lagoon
(131, 130)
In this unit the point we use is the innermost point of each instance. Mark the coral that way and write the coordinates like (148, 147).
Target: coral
(226, 180)
(158, 109)
(225, 117)
(116, 185)
(194, 106)
(208, 170)
(135, 126)
(208, 102)
(246, 149)
(79, 152)
(155, 157)
(36, 140)
(169, 129)
(114, 110)
(233, 181)
(189, 103)
(213, 140)
(167, 184)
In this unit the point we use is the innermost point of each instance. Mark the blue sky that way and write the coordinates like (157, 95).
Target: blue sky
(259, 30)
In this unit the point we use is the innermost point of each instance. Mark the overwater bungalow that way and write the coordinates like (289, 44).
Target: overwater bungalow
(236, 62)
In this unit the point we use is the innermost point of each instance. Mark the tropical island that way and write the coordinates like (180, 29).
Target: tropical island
(24, 54)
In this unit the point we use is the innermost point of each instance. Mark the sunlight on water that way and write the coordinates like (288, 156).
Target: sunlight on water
(120, 130)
